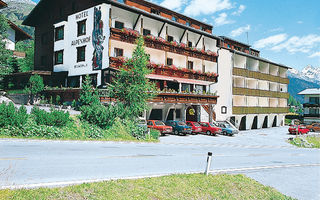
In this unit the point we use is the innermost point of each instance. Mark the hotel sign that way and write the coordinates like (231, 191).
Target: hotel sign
(81, 41)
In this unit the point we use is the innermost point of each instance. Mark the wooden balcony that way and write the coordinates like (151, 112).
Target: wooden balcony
(258, 75)
(259, 93)
(117, 63)
(173, 47)
(185, 98)
(237, 110)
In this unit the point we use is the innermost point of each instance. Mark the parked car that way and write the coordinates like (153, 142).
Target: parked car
(196, 127)
(179, 127)
(315, 127)
(227, 129)
(210, 128)
(301, 129)
(160, 126)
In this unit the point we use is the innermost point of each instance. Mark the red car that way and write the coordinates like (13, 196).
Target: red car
(160, 126)
(210, 128)
(196, 127)
(301, 129)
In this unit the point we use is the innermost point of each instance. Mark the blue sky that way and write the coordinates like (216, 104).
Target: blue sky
(285, 31)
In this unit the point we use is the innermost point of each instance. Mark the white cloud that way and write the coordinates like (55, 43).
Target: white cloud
(173, 4)
(276, 29)
(222, 20)
(240, 10)
(240, 30)
(300, 22)
(316, 54)
(272, 40)
(206, 7)
(302, 44)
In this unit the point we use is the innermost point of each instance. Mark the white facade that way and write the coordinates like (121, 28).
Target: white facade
(71, 42)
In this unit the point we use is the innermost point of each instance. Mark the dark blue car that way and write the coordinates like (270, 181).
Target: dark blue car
(227, 129)
(179, 127)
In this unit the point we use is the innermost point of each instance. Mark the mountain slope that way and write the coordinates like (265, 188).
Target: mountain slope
(309, 77)
(17, 11)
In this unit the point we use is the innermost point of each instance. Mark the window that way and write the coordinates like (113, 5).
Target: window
(146, 32)
(73, 6)
(45, 38)
(190, 44)
(150, 123)
(190, 65)
(119, 25)
(44, 60)
(118, 52)
(82, 27)
(314, 100)
(81, 54)
(169, 61)
(174, 18)
(59, 33)
(224, 110)
(188, 23)
(58, 57)
(170, 38)
(155, 11)
(202, 28)
(121, 1)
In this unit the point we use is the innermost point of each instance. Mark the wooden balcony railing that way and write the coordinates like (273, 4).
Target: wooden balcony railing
(259, 93)
(161, 44)
(259, 75)
(237, 110)
(172, 71)
(173, 98)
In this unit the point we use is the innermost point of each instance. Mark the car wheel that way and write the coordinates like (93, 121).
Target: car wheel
(208, 133)
(176, 132)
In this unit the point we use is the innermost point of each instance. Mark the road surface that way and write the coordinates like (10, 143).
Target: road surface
(260, 154)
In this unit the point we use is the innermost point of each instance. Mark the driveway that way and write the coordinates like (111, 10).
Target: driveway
(261, 154)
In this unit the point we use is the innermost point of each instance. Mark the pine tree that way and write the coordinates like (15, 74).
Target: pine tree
(4, 53)
(131, 86)
(89, 95)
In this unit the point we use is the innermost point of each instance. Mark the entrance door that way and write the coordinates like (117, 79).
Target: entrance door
(243, 123)
(274, 124)
(265, 122)
(192, 114)
(255, 123)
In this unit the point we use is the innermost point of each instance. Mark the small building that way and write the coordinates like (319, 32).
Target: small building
(311, 105)
(15, 34)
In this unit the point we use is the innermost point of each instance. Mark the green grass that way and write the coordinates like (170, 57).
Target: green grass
(195, 186)
(313, 140)
(78, 130)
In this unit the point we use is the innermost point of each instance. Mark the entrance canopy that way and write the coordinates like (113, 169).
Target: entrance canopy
(179, 80)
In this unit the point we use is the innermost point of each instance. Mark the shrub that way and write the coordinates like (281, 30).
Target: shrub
(55, 117)
(11, 116)
(92, 131)
(89, 95)
(32, 130)
(100, 115)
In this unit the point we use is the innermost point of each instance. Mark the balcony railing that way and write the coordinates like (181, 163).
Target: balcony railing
(312, 115)
(237, 110)
(172, 71)
(171, 97)
(130, 36)
(311, 105)
(259, 93)
(259, 75)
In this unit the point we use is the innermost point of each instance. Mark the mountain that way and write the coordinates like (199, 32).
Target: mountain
(17, 11)
(309, 77)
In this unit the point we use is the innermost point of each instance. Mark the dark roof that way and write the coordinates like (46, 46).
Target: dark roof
(227, 38)
(33, 15)
(20, 34)
(3, 4)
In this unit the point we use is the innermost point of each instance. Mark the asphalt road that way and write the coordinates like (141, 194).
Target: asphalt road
(261, 154)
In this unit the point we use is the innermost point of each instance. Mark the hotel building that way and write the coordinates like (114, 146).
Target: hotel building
(95, 37)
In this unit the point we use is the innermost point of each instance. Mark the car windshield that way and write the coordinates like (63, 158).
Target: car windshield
(196, 124)
(228, 126)
(295, 126)
(213, 124)
(159, 123)
(181, 123)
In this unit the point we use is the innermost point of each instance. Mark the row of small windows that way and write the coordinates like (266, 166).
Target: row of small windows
(81, 55)
(59, 31)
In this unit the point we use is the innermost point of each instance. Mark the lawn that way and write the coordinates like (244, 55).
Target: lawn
(195, 186)
(306, 141)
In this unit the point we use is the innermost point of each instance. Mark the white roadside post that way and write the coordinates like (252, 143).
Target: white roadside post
(208, 163)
